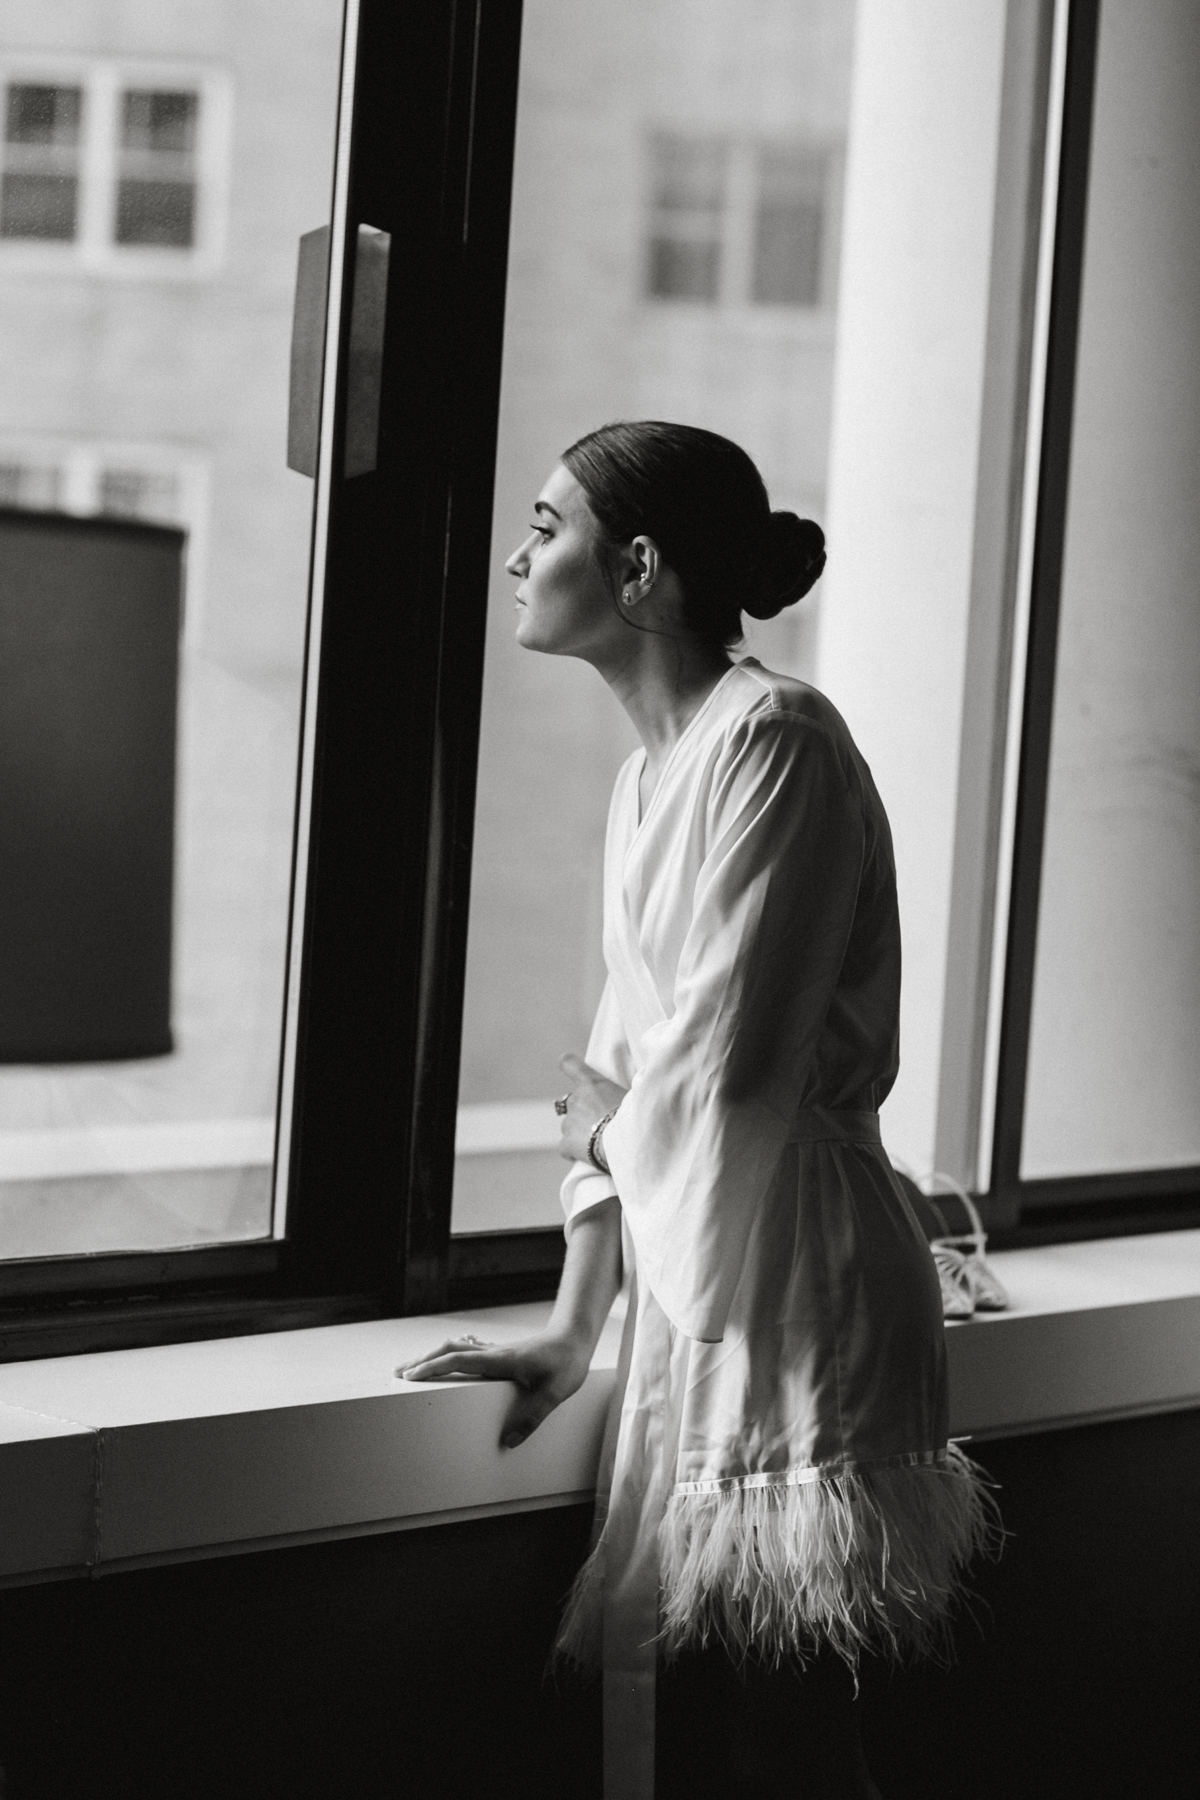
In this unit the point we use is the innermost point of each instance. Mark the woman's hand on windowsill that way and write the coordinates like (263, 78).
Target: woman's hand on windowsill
(591, 1096)
(546, 1369)
(549, 1368)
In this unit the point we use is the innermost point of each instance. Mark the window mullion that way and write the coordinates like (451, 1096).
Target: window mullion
(98, 163)
(739, 219)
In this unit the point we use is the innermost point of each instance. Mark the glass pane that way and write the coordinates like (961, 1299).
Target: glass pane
(791, 226)
(156, 191)
(153, 586)
(39, 190)
(36, 114)
(645, 134)
(155, 212)
(1114, 1073)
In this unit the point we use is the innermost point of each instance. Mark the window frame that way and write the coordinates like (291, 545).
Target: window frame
(1019, 1210)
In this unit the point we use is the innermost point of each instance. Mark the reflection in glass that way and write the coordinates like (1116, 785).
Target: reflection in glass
(147, 261)
(1114, 1069)
(671, 254)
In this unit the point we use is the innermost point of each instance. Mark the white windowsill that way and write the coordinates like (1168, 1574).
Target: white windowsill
(134, 1457)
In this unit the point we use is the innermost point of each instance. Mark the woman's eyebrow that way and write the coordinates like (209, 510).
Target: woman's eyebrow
(544, 506)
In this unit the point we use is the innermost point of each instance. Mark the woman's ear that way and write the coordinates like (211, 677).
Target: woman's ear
(645, 564)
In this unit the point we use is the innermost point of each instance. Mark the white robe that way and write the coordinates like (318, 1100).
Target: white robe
(777, 1471)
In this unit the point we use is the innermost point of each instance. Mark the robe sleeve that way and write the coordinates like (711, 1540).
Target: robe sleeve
(608, 1052)
(697, 1140)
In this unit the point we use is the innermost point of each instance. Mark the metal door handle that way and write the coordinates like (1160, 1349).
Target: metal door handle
(364, 367)
(308, 351)
(364, 370)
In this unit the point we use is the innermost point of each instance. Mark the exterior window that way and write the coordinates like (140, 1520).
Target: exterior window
(136, 494)
(740, 223)
(120, 168)
(689, 206)
(29, 485)
(156, 191)
(39, 195)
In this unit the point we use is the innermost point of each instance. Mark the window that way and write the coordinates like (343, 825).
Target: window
(1045, 843)
(156, 182)
(39, 195)
(450, 799)
(155, 553)
(134, 494)
(735, 222)
(689, 209)
(1098, 1061)
(116, 167)
(31, 485)
(218, 1244)
(552, 737)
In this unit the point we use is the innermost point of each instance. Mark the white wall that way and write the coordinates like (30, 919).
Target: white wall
(908, 386)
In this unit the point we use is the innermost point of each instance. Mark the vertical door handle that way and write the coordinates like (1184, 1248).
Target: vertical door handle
(308, 351)
(364, 369)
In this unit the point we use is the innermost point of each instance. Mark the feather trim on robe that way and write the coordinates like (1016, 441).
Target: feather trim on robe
(865, 1558)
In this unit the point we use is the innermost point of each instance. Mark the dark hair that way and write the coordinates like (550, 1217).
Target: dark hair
(703, 502)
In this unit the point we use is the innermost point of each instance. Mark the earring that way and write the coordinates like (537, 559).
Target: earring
(628, 596)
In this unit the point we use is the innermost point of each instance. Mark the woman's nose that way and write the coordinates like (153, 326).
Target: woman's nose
(518, 562)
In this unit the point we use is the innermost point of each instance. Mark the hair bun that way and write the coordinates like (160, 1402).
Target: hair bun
(790, 561)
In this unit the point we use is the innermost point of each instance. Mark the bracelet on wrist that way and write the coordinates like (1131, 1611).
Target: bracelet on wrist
(595, 1151)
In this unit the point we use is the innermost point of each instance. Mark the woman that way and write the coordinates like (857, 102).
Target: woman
(777, 1492)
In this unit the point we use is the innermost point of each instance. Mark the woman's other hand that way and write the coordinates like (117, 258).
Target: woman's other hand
(547, 1370)
(590, 1097)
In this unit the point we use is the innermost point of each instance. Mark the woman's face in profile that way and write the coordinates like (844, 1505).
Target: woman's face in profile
(564, 607)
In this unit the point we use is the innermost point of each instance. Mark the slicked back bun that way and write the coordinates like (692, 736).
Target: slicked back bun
(792, 559)
(702, 500)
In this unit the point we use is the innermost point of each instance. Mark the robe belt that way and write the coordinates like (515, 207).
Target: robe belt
(825, 1124)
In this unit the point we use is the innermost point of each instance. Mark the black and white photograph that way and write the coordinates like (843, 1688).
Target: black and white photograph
(599, 900)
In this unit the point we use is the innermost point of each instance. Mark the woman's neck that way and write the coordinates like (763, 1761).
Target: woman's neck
(663, 685)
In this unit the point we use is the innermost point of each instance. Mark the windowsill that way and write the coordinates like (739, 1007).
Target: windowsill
(136, 1457)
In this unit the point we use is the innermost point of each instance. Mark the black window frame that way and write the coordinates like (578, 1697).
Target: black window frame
(1058, 1209)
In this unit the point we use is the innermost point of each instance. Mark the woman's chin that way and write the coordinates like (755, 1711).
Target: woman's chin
(528, 635)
